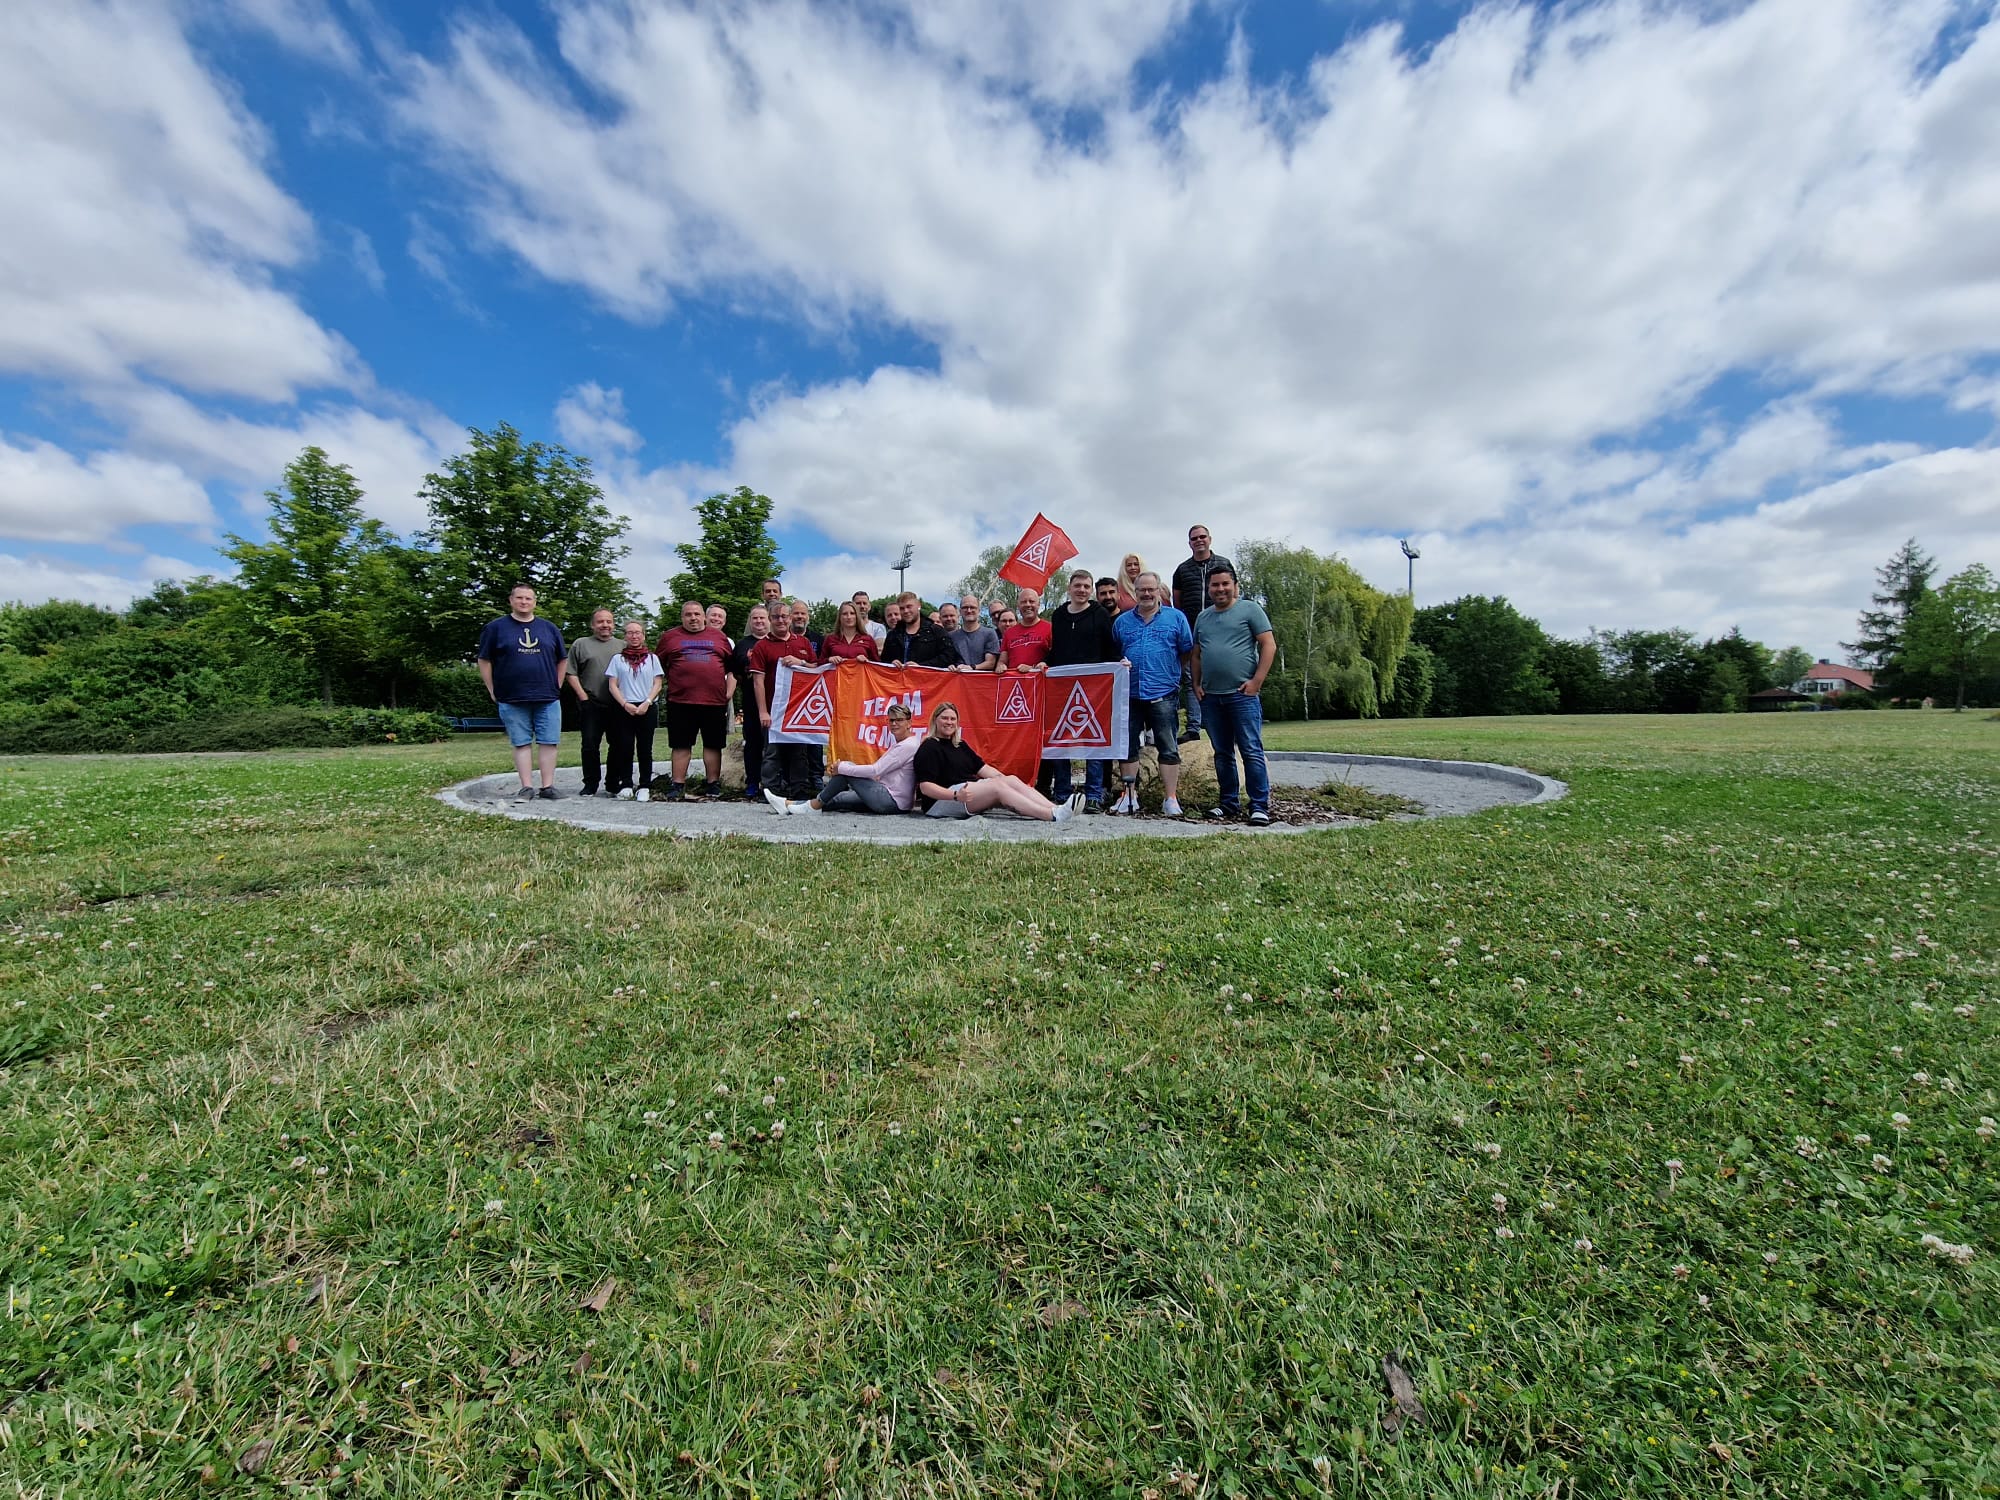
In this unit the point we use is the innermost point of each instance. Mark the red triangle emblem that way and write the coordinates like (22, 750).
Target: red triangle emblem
(1014, 708)
(812, 712)
(1078, 725)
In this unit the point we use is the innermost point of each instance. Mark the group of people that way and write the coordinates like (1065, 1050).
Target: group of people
(1197, 650)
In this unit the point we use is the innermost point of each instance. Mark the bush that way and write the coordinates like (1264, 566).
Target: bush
(63, 729)
(1855, 699)
(456, 691)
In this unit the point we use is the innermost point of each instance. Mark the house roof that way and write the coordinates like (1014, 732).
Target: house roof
(1827, 671)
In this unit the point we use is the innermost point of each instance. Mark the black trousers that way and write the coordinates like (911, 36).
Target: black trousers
(594, 722)
(754, 735)
(632, 735)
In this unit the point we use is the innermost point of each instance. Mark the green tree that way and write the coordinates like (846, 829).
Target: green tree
(729, 562)
(1489, 657)
(1789, 666)
(1340, 639)
(1650, 671)
(324, 587)
(37, 629)
(1575, 669)
(1416, 680)
(503, 512)
(1753, 659)
(1954, 633)
(1878, 645)
(176, 602)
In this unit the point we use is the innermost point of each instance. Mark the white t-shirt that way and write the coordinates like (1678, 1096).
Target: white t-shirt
(880, 631)
(635, 684)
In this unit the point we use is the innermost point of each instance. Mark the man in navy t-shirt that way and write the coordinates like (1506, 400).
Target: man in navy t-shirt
(523, 661)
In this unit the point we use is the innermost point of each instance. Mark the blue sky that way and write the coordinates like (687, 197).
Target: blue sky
(1642, 314)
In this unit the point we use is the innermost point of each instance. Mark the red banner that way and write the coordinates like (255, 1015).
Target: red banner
(1010, 718)
(1043, 548)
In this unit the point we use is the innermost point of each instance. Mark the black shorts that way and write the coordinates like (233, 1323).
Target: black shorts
(686, 720)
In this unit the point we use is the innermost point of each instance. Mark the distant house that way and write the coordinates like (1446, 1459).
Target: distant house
(1824, 678)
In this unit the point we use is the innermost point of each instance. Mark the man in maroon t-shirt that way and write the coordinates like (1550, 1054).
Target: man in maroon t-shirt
(695, 660)
(1024, 646)
(787, 769)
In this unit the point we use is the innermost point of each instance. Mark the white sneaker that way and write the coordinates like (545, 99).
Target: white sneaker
(803, 809)
(1064, 812)
(1171, 807)
(1128, 802)
(644, 794)
(624, 794)
(778, 803)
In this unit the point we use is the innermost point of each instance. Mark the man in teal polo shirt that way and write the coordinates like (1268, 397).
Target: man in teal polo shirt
(1233, 652)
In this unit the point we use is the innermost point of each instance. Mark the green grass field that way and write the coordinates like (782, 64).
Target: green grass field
(356, 1146)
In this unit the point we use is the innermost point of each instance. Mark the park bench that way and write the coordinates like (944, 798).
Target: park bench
(473, 722)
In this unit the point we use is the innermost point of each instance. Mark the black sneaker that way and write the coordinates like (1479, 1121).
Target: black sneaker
(1093, 805)
(589, 791)
(711, 789)
(526, 794)
(1221, 814)
(675, 792)
(1189, 736)
(548, 794)
(1259, 818)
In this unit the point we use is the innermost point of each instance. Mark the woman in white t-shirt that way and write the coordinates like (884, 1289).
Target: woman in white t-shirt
(634, 680)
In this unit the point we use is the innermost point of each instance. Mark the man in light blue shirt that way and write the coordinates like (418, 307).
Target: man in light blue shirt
(1233, 652)
(1157, 643)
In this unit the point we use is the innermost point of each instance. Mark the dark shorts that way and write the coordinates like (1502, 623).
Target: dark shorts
(1156, 714)
(686, 720)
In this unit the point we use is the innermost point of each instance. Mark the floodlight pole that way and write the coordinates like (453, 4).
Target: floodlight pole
(1411, 554)
(903, 566)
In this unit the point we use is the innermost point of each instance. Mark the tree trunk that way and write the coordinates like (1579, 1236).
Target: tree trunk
(326, 685)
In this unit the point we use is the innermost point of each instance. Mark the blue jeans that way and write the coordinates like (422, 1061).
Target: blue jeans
(1190, 703)
(1235, 726)
(1093, 780)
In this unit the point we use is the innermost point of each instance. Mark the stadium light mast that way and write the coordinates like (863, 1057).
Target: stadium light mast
(1412, 554)
(903, 565)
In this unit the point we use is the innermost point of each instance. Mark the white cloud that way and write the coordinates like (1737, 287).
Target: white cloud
(307, 27)
(1447, 295)
(592, 420)
(142, 228)
(49, 495)
(390, 453)
(367, 264)
(36, 579)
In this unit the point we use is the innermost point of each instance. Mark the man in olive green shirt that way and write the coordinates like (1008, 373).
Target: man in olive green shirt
(589, 658)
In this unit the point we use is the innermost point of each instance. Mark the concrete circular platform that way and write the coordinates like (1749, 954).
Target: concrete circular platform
(1444, 788)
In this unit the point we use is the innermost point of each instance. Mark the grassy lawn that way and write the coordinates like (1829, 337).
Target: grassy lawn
(356, 1146)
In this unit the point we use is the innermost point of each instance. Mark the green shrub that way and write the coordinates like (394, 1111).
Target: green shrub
(456, 691)
(65, 729)
(1856, 699)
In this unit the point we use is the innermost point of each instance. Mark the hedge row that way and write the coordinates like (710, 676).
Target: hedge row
(55, 732)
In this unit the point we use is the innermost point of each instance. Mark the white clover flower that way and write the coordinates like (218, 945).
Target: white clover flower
(1920, 1078)
(895, 1127)
(722, 1088)
(1984, 1130)
(1503, 1233)
(1882, 1163)
(1702, 1298)
(769, 1100)
(1944, 1250)
(651, 1117)
(1584, 1247)
(778, 1082)
(1900, 1120)
(495, 1207)
(715, 1138)
(1864, 1139)
(1491, 1149)
(1770, 1257)
(777, 1130)
(1499, 1203)
(1680, 1273)
(1963, 1012)
(792, 1015)
(298, 1161)
(1805, 1146)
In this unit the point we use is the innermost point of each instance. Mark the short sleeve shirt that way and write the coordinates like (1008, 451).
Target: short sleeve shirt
(974, 646)
(589, 658)
(767, 653)
(696, 662)
(861, 648)
(1155, 650)
(635, 684)
(1228, 641)
(525, 658)
(944, 764)
(1026, 645)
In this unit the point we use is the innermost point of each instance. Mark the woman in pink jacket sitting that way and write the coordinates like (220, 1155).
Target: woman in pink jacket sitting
(888, 785)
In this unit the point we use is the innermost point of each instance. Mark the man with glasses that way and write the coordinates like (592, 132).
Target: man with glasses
(978, 646)
(1233, 652)
(1157, 642)
(1080, 634)
(1190, 598)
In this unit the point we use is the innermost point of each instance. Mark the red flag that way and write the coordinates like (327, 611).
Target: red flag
(1042, 549)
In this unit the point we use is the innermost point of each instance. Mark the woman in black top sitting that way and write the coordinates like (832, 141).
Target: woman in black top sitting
(953, 782)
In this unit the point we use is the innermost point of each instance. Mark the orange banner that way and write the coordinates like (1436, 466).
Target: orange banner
(1011, 718)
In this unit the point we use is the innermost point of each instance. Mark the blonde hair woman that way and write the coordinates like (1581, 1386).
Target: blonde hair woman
(953, 782)
(849, 639)
(1128, 581)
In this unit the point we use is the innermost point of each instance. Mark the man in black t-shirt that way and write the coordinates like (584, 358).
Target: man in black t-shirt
(523, 662)
(1079, 633)
(1191, 598)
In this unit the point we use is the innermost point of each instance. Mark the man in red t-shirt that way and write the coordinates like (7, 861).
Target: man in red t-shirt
(787, 769)
(1024, 645)
(695, 660)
